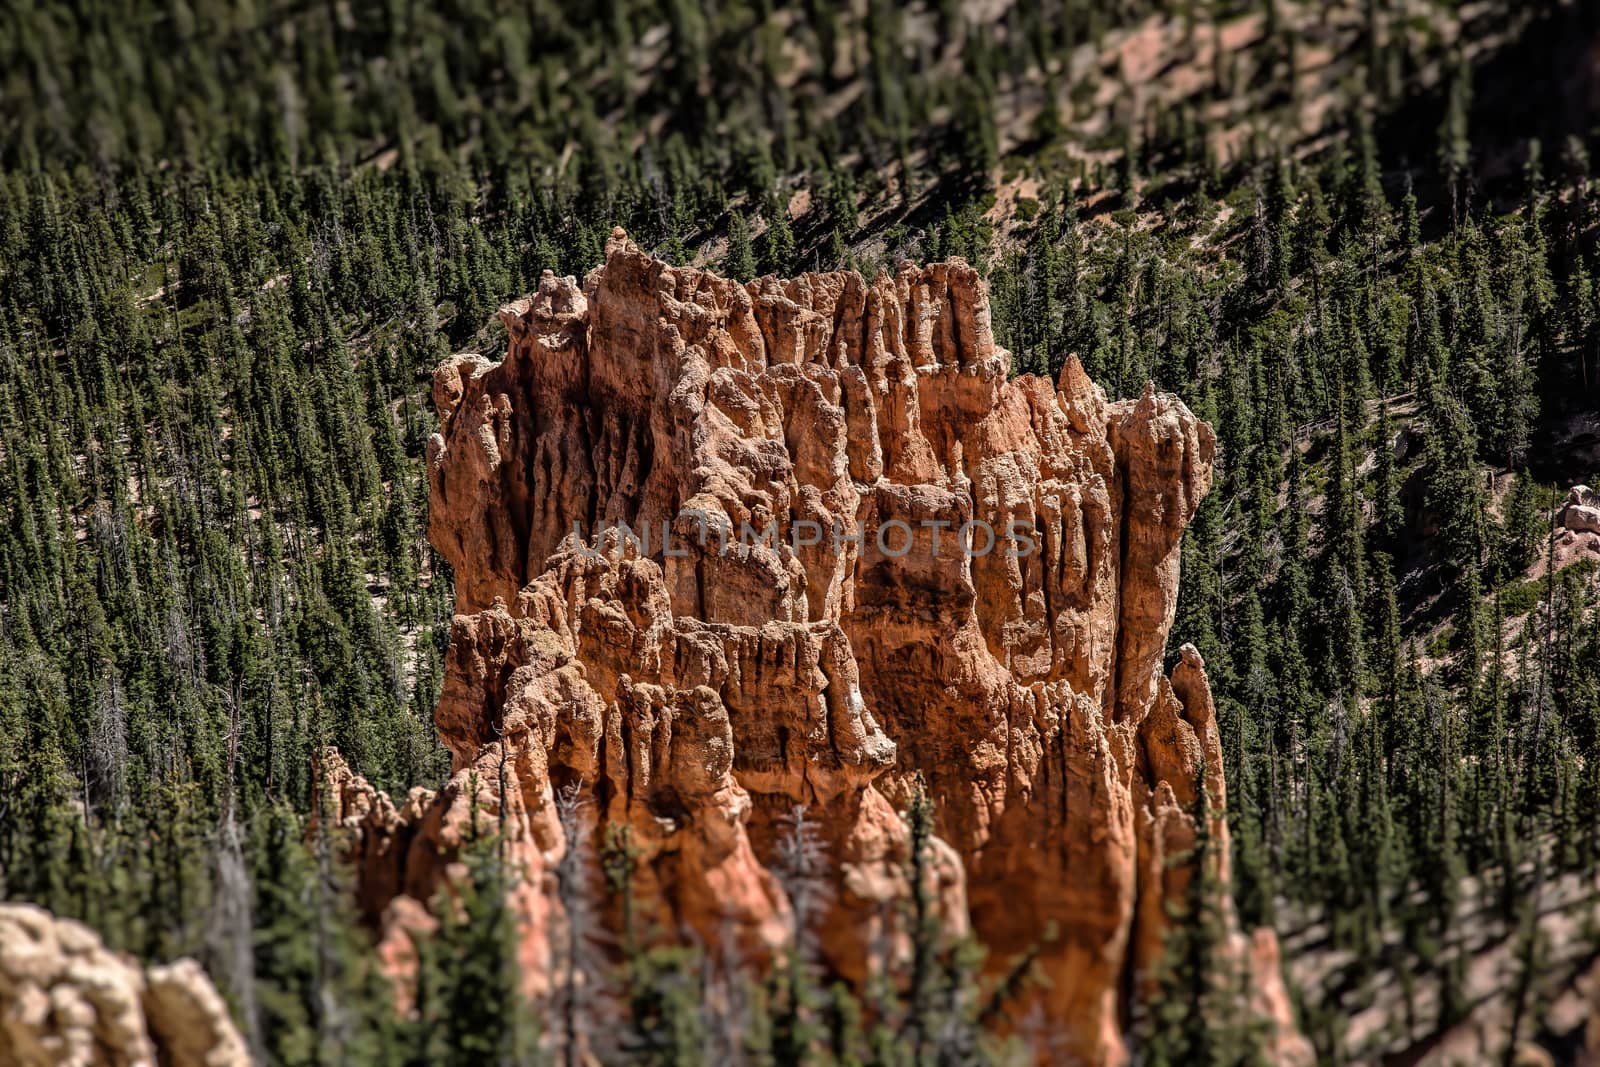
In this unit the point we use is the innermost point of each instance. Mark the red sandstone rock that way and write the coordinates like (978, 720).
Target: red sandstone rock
(696, 685)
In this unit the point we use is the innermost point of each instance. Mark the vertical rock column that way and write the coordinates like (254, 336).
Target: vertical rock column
(856, 553)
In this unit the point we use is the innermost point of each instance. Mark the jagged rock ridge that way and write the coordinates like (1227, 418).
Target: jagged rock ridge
(696, 684)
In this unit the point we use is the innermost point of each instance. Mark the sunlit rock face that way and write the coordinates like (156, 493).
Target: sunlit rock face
(68, 1001)
(855, 552)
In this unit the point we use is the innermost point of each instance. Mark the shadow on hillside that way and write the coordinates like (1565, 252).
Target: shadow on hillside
(1544, 84)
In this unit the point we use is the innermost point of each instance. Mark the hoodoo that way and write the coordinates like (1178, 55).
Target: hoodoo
(723, 549)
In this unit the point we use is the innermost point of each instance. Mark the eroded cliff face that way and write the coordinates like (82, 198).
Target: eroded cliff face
(696, 682)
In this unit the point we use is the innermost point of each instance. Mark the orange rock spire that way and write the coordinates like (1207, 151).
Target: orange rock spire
(801, 612)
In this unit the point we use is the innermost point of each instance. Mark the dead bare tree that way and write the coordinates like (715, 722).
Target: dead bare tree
(579, 964)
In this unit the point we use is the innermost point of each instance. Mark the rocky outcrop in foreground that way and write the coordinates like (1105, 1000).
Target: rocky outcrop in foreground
(68, 1001)
(857, 552)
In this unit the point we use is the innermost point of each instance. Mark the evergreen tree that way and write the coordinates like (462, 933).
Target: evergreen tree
(476, 1012)
(740, 263)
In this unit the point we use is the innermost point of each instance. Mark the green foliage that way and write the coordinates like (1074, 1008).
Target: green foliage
(470, 1009)
(1200, 1014)
(1519, 598)
(1524, 529)
(235, 240)
(741, 259)
(682, 1008)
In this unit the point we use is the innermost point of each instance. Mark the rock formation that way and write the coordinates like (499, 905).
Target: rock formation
(855, 552)
(1582, 511)
(1576, 537)
(67, 1001)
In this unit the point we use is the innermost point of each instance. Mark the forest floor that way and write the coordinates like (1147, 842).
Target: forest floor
(1392, 1006)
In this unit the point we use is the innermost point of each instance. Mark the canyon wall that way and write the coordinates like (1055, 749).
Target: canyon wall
(857, 556)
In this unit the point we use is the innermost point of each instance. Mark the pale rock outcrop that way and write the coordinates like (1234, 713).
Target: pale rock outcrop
(1582, 511)
(68, 1001)
(695, 681)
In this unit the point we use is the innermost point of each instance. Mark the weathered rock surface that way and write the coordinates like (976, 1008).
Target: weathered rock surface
(67, 1001)
(696, 682)
(1582, 511)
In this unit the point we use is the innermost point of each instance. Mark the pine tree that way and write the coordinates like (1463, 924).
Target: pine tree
(777, 244)
(662, 985)
(1531, 953)
(1454, 144)
(794, 995)
(1452, 490)
(1344, 561)
(918, 1028)
(1200, 1015)
(1388, 521)
(740, 263)
(1523, 530)
(286, 962)
(478, 1014)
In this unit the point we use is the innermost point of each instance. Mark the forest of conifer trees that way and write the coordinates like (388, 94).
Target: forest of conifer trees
(236, 238)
